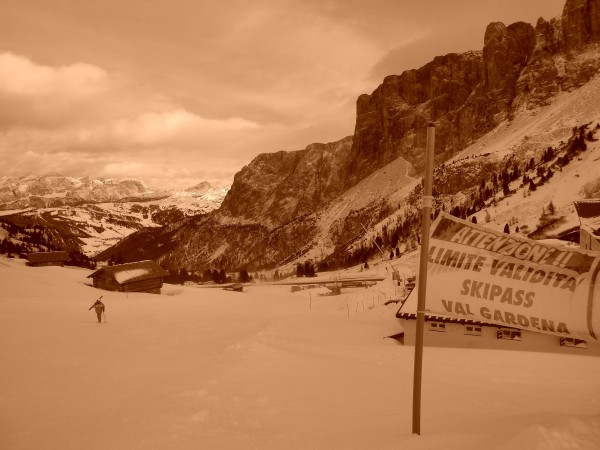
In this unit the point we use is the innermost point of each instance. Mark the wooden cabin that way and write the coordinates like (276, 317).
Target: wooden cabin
(141, 276)
(47, 259)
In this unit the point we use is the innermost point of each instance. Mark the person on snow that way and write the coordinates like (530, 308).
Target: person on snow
(99, 308)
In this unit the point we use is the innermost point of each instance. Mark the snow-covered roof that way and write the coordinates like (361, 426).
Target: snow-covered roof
(128, 275)
(129, 272)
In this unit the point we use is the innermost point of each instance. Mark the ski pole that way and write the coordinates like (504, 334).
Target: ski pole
(105, 318)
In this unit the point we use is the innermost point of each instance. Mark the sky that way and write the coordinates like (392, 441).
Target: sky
(182, 91)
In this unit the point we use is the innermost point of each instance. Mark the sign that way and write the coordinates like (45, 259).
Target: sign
(484, 275)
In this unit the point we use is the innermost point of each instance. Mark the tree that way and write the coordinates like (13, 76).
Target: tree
(532, 186)
(243, 276)
(474, 219)
(488, 218)
(309, 269)
(222, 276)
(392, 254)
(299, 270)
(505, 187)
(183, 275)
(551, 209)
(506, 229)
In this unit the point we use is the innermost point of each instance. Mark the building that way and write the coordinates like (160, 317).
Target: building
(443, 331)
(47, 259)
(589, 224)
(141, 276)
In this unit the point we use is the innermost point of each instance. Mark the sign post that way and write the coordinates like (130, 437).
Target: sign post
(426, 222)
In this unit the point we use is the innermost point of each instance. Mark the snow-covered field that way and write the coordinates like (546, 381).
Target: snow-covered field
(263, 369)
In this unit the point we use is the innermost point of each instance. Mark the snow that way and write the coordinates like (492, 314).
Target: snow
(263, 369)
(126, 275)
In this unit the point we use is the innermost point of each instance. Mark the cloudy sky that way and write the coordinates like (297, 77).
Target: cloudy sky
(182, 91)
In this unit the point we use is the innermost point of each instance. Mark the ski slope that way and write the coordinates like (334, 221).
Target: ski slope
(263, 369)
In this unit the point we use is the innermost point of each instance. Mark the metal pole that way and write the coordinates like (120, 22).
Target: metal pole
(426, 221)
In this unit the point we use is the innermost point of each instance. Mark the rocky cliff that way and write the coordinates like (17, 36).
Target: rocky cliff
(467, 95)
(276, 188)
(271, 213)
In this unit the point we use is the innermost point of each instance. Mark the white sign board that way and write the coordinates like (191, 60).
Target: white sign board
(484, 275)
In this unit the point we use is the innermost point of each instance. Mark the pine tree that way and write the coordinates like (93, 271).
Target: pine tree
(505, 187)
(506, 229)
(183, 275)
(532, 186)
(243, 276)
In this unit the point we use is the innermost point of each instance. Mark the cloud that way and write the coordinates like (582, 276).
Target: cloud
(175, 126)
(81, 118)
(20, 76)
(206, 86)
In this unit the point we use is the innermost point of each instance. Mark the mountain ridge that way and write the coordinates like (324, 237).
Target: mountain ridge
(315, 203)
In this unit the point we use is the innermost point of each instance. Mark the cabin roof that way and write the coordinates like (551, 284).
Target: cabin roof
(40, 257)
(589, 215)
(129, 272)
(587, 209)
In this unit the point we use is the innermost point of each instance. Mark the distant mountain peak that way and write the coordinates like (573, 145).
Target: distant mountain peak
(200, 187)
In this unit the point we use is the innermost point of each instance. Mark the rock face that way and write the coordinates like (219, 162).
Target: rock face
(391, 122)
(581, 23)
(469, 94)
(276, 188)
(277, 196)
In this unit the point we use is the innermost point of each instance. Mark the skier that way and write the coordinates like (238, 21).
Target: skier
(99, 308)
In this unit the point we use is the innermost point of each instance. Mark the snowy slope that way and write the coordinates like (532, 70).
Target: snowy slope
(207, 368)
(526, 136)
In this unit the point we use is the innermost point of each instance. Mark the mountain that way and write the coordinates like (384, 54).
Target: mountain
(79, 214)
(56, 190)
(495, 112)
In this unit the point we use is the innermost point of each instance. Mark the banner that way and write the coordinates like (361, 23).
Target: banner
(484, 275)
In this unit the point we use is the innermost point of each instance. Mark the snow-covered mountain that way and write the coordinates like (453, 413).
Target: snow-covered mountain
(92, 215)
(49, 191)
(497, 113)
(56, 190)
(523, 110)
